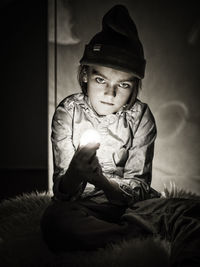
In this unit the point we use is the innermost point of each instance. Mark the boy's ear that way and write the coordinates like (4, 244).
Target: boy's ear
(85, 78)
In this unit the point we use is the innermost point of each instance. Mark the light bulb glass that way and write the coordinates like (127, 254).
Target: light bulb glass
(90, 136)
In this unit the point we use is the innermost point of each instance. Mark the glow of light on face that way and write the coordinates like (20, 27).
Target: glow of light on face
(90, 136)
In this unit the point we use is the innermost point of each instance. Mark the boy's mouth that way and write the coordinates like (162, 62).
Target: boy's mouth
(107, 103)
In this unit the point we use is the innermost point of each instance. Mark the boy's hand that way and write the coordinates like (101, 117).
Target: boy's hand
(85, 163)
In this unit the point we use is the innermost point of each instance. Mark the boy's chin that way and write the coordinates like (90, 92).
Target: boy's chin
(105, 110)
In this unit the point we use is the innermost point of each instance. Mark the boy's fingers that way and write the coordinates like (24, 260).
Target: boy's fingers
(93, 159)
(93, 145)
(85, 156)
(90, 156)
(88, 150)
(89, 146)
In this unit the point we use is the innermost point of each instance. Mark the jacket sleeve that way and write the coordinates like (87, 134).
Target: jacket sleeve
(63, 149)
(136, 181)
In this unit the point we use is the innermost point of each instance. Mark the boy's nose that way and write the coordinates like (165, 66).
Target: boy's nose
(110, 90)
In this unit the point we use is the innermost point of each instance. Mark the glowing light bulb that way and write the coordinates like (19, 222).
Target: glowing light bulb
(90, 136)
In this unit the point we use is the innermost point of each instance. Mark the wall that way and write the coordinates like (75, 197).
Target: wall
(170, 32)
(23, 164)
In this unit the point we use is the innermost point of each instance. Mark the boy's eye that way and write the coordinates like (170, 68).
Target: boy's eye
(100, 80)
(124, 85)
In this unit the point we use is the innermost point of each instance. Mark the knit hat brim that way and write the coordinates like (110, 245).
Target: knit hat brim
(113, 57)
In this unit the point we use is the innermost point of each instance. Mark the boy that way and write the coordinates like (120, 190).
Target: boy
(95, 183)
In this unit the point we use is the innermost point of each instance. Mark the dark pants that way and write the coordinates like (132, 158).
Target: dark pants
(85, 225)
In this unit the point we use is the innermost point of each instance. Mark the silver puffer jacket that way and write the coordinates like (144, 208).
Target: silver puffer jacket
(126, 150)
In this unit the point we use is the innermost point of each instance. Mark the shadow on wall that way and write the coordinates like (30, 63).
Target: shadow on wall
(23, 108)
(170, 32)
(178, 146)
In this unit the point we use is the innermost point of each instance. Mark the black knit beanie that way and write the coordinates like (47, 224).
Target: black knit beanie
(118, 45)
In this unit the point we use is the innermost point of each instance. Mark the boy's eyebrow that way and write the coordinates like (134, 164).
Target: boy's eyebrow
(96, 72)
(132, 79)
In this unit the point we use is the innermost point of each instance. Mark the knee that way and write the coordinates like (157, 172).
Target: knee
(59, 225)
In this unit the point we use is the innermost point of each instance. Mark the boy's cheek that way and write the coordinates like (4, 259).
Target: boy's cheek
(93, 85)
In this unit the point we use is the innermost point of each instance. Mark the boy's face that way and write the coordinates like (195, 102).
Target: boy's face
(108, 89)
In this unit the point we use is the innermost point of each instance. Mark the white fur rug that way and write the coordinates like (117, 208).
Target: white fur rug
(21, 243)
